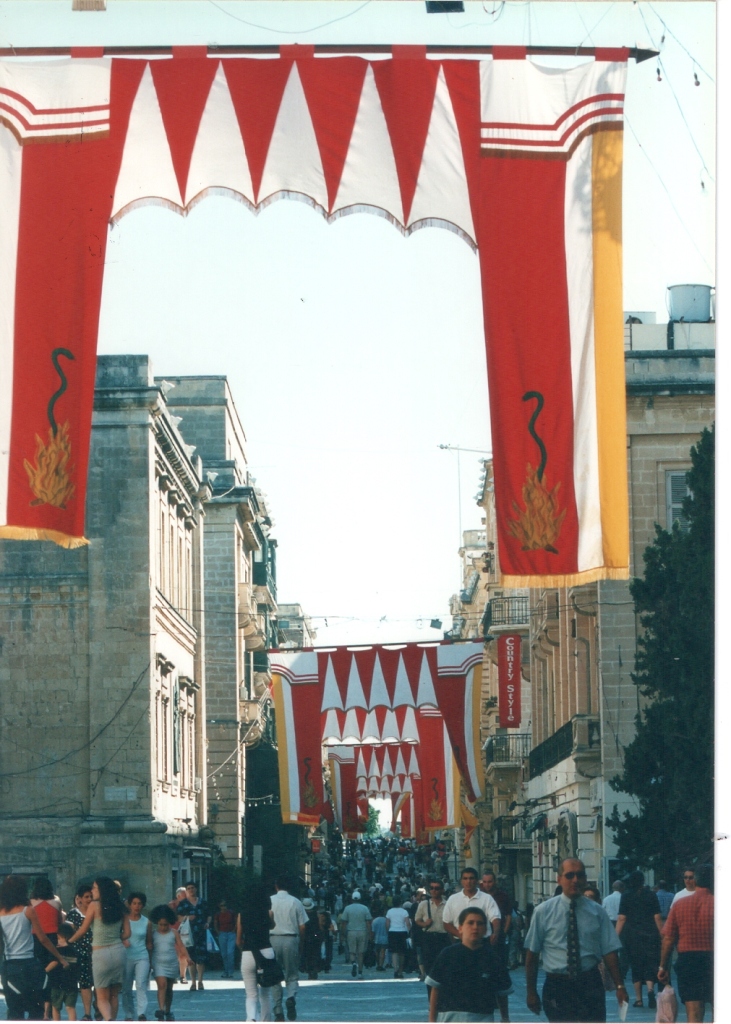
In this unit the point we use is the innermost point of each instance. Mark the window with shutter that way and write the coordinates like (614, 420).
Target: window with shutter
(676, 490)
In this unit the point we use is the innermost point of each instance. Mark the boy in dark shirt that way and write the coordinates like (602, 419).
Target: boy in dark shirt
(466, 978)
(64, 981)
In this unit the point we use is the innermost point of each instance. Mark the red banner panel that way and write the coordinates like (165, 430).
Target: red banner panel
(508, 670)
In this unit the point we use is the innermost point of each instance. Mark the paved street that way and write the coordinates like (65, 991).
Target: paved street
(338, 997)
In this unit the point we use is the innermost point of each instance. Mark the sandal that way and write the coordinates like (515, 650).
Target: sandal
(637, 1002)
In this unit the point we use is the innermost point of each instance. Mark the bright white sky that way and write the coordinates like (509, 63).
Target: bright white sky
(353, 352)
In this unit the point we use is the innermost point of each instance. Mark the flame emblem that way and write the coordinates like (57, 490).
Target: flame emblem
(436, 807)
(49, 476)
(308, 790)
(538, 525)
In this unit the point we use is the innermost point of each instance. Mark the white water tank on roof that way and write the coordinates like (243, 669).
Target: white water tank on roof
(690, 303)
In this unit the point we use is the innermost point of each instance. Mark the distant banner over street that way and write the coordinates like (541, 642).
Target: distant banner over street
(434, 689)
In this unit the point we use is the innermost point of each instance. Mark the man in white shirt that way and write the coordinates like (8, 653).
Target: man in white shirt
(471, 896)
(290, 918)
(689, 880)
(612, 901)
(572, 934)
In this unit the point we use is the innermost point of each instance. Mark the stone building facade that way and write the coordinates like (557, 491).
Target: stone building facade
(583, 639)
(133, 670)
(551, 792)
(239, 584)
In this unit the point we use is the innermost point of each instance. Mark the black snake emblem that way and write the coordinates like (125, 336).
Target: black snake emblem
(64, 385)
(435, 790)
(531, 429)
(307, 762)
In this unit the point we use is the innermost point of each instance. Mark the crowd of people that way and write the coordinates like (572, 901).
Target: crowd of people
(96, 950)
(385, 906)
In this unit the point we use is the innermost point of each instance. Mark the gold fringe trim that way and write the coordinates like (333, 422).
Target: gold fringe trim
(575, 579)
(302, 197)
(63, 540)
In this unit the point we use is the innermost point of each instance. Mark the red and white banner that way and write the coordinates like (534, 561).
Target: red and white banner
(458, 687)
(508, 674)
(523, 162)
(440, 803)
(299, 752)
(351, 811)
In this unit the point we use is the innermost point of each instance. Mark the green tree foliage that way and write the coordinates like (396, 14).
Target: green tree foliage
(372, 828)
(669, 765)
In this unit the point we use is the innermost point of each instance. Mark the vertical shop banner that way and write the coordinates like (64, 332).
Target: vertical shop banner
(508, 668)
(522, 162)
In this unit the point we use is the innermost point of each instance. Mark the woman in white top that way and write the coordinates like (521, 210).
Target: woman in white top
(23, 977)
(398, 924)
(137, 966)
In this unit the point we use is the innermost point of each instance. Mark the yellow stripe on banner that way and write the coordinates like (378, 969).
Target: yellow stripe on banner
(456, 798)
(334, 780)
(279, 719)
(476, 749)
(609, 347)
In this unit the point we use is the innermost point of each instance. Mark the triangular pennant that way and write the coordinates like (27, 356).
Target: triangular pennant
(331, 730)
(331, 695)
(400, 767)
(407, 89)
(378, 693)
(257, 87)
(371, 728)
(351, 729)
(333, 89)
(390, 730)
(403, 693)
(441, 191)
(182, 77)
(425, 693)
(463, 81)
(355, 697)
(147, 170)
(409, 729)
(293, 161)
(370, 177)
(219, 158)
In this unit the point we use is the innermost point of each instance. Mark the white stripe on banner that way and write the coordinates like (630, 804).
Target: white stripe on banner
(449, 777)
(469, 746)
(11, 159)
(579, 261)
(294, 782)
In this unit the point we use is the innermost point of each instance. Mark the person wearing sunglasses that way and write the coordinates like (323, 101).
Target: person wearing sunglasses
(689, 883)
(573, 935)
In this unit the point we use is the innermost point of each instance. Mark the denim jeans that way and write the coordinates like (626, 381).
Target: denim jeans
(227, 944)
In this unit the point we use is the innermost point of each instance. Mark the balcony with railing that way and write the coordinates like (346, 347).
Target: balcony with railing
(579, 738)
(504, 757)
(504, 613)
(510, 832)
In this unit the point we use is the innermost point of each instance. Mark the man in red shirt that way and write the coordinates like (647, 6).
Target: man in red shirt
(690, 925)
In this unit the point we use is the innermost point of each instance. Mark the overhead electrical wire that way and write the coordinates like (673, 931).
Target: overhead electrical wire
(682, 47)
(287, 31)
(84, 746)
(667, 190)
(675, 95)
